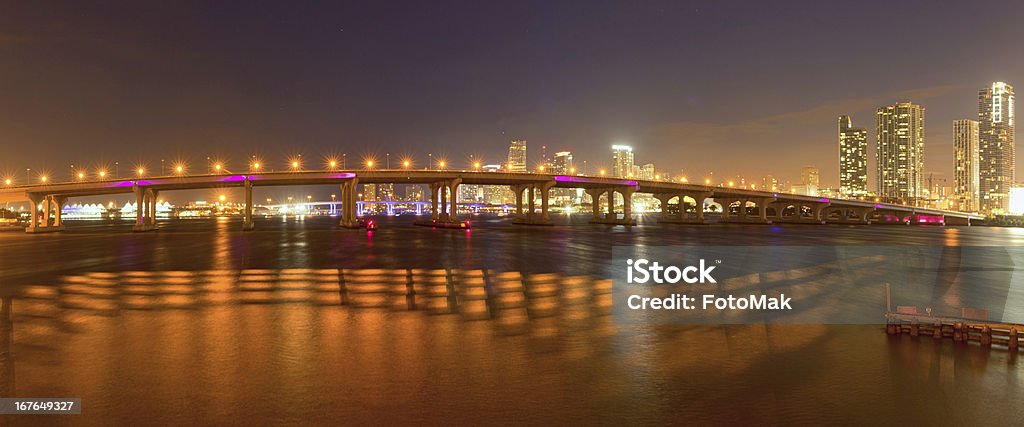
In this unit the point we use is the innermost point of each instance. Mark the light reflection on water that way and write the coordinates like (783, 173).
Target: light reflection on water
(199, 324)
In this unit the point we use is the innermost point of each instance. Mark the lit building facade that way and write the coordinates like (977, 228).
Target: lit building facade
(966, 181)
(853, 159)
(562, 163)
(517, 156)
(996, 146)
(496, 194)
(899, 152)
(646, 172)
(622, 161)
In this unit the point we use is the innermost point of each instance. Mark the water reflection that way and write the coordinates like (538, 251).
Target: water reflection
(299, 325)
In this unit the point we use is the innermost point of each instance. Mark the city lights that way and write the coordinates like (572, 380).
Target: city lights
(7, 181)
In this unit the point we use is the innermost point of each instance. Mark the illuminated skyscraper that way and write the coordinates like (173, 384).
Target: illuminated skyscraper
(622, 161)
(517, 156)
(810, 175)
(995, 146)
(900, 151)
(562, 163)
(965, 165)
(853, 159)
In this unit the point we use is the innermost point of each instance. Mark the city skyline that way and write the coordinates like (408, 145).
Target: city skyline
(670, 99)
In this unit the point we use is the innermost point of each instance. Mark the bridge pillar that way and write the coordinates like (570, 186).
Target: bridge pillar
(531, 202)
(545, 201)
(151, 195)
(58, 203)
(518, 191)
(698, 208)
(443, 216)
(627, 205)
(453, 196)
(434, 203)
(140, 209)
(595, 202)
(817, 212)
(864, 215)
(611, 205)
(47, 206)
(33, 221)
(663, 199)
(349, 217)
(247, 223)
(762, 209)
(43, 220)
(143, 197)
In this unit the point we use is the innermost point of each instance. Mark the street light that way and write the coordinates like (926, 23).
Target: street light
(255, 166)
(103, 174)
(179, 169)
(217, 167)
(369, 164)
(441, 164)
(140, 171)
(43, 178)
(7, 181)
(476, 165)
(81, 176)
(405, 164)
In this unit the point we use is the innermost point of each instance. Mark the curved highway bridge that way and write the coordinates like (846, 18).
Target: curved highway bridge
(738, 205)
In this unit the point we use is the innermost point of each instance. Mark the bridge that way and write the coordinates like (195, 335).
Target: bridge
(680, 202)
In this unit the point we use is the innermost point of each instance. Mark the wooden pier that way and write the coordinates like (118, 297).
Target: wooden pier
(957, 328)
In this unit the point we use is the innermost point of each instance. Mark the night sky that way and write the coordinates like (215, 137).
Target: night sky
(745, 88)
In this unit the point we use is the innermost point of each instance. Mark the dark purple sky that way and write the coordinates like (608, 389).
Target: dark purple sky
(732, 87)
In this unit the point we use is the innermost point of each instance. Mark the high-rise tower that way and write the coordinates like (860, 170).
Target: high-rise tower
(900, 151)
(996, 146)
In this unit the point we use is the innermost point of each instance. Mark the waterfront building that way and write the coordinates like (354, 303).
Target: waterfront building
(853, 159)
(900, 152)
(622, 161)
(517, 156)
(996, 151)
(966, 175)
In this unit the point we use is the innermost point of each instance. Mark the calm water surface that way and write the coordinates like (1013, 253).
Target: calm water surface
(200, 323)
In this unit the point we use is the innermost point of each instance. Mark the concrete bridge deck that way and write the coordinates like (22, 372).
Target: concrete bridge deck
(736, 205)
